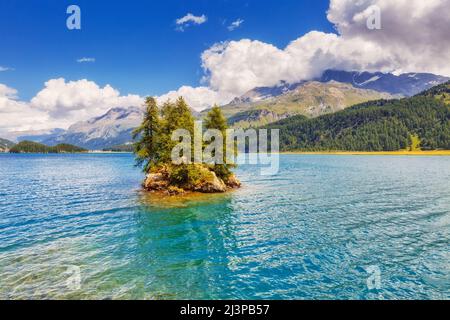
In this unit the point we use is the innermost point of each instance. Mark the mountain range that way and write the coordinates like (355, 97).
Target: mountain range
(332, 92)
(335, 90)
(311, 99)
(112, 128)
(407, 84)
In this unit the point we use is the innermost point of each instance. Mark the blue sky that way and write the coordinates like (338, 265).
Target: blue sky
(134, 43)
(139, 50)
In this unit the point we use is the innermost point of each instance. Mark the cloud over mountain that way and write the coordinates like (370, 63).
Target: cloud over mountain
(60, 104)
(16, 114)
(60, 98)
(412, 39)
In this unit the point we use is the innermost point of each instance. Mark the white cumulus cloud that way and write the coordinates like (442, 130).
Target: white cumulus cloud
(59, 104)
(238, 66)
(7, 92)
(414, 33)
(85, 98)
(198, 98)
(413, 38)
(16, 114)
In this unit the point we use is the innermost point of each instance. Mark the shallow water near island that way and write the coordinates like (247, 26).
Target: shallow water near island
(317, 230)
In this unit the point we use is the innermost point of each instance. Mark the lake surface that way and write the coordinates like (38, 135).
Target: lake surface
(325, 227)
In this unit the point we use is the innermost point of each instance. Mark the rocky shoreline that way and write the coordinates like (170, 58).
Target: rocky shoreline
(205, 181)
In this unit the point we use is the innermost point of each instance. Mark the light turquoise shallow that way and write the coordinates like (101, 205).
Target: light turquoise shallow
(308, 233)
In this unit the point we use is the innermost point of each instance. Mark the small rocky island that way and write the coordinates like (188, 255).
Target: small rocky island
(154, 151)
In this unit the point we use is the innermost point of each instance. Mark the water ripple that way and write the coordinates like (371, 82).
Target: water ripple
(308, 233)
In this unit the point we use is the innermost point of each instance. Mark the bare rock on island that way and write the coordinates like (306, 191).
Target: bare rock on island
(233, 182)
(201, 179)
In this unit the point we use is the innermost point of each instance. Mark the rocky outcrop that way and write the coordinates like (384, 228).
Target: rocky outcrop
(156, 182)
(233, 182)
(209, 183)
(174, 191)
(201, 179)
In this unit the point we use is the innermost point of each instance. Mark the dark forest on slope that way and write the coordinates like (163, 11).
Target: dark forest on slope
(34, 147)
(383, 125)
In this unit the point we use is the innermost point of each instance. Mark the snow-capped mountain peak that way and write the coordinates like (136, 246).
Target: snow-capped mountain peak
(407, 84)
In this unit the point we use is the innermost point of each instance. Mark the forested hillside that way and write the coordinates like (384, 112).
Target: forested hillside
(383, 125)
(310, 99)
(34, 147)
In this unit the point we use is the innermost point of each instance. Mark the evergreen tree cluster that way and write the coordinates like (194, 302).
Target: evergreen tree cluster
(153, 139)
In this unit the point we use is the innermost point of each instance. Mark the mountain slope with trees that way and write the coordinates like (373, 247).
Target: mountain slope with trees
(310, 98)
(383, 125)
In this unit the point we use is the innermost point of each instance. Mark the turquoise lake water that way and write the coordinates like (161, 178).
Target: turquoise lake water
(317, 230)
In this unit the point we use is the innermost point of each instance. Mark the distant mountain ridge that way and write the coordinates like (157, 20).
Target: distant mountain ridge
(111, 129)
(333, 91)
(407, 84)
(108, 131)
(40, 135)
(5, 144)
(310, 98)
(264, 93)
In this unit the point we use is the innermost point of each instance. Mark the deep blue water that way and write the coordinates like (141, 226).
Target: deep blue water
(309, 232)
